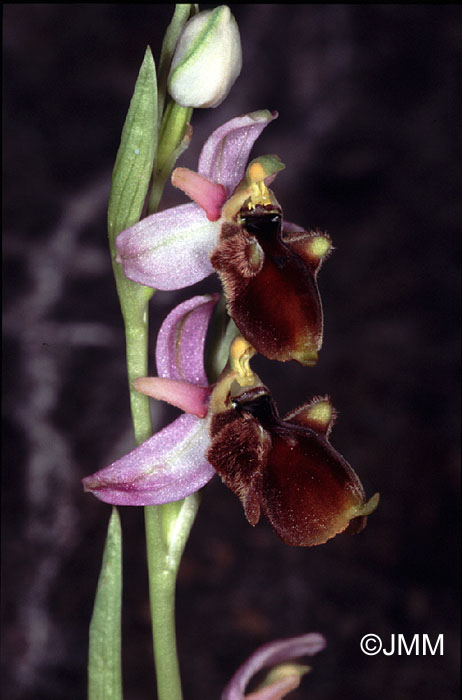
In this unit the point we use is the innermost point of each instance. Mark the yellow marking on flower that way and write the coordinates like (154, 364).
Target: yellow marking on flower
(240, 354)
(366, 509)
(320, 246)
(289, 672)
(259, 193)
(256, 172)
(321, 412)
(250, 193)
(371, 505)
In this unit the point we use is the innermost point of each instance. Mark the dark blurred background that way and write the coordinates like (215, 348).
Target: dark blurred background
(368, 114)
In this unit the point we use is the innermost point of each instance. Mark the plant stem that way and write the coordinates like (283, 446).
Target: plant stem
(161, 569)
(167, 530)
(162, 597)
(168, 526)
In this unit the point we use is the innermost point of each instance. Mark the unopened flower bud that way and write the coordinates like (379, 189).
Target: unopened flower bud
(207, 59)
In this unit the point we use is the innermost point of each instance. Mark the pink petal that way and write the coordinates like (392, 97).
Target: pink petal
(170, 249)
(206, 194)
(181, 340)
(270, 655)
(224, 156)
(168, 467)
(190, 398)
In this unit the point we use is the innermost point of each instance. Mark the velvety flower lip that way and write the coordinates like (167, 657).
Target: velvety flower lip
(171, 464)
(171, 249)
(286, 468)
(271, 654)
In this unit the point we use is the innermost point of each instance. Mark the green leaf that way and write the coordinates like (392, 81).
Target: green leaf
(104, 658)
(137, 150)
(130, 183)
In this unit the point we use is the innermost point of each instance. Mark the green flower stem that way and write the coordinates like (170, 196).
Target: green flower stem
(136, 319)
(174, 139)
(167, 529)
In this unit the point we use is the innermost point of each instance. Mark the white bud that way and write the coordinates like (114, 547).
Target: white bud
(207, 59)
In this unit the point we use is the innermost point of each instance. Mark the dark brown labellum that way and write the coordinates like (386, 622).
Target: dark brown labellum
(270, 285)
(288, 469)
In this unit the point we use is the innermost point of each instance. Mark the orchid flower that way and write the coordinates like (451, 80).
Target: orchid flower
(171, 464)
(282, 679)
(267, 267)
(283, 467)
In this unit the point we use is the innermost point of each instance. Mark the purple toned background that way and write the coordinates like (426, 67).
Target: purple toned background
(367, 103)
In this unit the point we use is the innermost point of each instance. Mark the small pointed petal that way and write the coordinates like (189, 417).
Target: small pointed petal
(181, 340)
(168, 467)
(209, 196)
(224, 156)
(269, 655)
(170, 249)
(189, 397)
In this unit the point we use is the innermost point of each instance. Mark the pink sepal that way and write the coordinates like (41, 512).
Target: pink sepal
(170, 249)
(168, 467)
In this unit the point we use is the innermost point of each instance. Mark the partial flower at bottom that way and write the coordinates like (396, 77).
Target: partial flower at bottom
(282, 679)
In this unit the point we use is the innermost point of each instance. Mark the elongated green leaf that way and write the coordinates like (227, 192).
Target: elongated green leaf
(104, 658)
(130, 182)
(137, 150)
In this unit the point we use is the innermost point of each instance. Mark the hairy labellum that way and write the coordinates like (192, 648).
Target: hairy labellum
(287, 468)
(269, 278)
